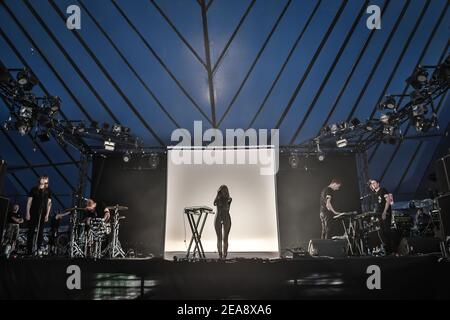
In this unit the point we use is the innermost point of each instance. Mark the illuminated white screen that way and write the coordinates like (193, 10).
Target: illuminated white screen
(254, 226)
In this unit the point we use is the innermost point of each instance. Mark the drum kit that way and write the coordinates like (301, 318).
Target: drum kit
(95, 237)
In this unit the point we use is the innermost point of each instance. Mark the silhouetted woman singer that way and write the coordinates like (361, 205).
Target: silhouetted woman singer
(223, 220)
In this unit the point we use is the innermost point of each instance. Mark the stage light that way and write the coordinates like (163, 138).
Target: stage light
(341, 143)
(23, 127)
(105, 126)
(355, 122)
(126, 157)
(385, 118)
(55, 105)
(26, 79)
(110, 145)
(389, 103)
(44, 136)
(117, 128)
(153, 160)
(334, 128)
(388, 130)
(418, 79)
(25, 112)
(294, 160)
(342, 126)
(418, 110)
(81, 128)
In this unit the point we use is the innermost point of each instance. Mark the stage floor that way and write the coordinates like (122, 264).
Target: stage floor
(412, 277)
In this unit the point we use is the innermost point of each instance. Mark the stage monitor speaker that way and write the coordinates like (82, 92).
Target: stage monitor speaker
(2, 175)
(444, 205)
(328, 248)
(419, 245)
(443, 174)
(4, 206)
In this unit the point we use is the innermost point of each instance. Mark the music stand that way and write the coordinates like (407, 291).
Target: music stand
(202, 214)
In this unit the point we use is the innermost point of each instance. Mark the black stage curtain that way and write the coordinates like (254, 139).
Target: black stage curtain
(141, 188)
(298, 196)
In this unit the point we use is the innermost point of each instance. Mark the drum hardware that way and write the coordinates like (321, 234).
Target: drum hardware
(114, 248)
(75, 250)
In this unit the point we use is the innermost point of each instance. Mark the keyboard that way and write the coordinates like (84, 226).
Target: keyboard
(198, 209)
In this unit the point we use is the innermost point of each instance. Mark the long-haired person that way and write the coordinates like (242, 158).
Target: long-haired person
(39, 205)
(222, 223)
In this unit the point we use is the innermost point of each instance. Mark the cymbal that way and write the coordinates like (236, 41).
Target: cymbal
(120, 208)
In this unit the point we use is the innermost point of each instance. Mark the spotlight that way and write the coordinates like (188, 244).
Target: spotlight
(154, 160)
(388, 130)
(126, 157)
(26, 112)
(418, 79)
(418, 110)
(385, 118)
(23, 127)
(355, 122)
(26, 79)
(55, 105)
(342, 126)
(117, 128)
(293, 160)
(81, 128)
(341, 143)
(334, 128)
(389, 103)
(109, 145)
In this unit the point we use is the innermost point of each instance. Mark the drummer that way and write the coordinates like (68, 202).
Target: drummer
(93, 210)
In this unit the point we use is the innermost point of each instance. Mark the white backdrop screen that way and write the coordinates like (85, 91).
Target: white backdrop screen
(254, 224)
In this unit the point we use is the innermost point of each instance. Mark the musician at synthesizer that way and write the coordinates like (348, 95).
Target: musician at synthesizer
(383, 207)
(327, 211)
(222, 223)
(38, 210)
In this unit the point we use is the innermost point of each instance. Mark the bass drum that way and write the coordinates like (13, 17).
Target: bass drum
(99, 228)
(62, 244)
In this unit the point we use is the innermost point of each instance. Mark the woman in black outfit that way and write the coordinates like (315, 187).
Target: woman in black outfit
(223, 219)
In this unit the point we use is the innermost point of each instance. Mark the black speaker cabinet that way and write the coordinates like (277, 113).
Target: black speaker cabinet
(419, 245)
(443, 174)
(4, 206)
(444, 205)
(2, 175)
(328, 248)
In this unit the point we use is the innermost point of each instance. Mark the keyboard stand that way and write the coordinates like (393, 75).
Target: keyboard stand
(194, 223)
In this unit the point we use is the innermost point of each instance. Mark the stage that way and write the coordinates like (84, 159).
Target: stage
(411, 277)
